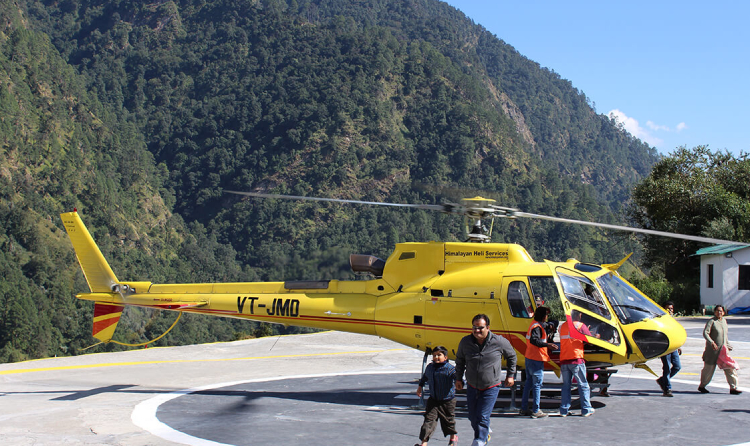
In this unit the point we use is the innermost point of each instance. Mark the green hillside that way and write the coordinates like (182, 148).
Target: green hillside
(63, 149)
(142, 114)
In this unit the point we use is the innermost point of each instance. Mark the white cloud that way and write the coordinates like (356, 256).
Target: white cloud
(634, 128)
(681, 126)
(654, 126)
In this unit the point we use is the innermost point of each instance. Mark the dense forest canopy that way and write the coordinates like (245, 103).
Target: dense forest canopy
(142, 114)
(692, 191)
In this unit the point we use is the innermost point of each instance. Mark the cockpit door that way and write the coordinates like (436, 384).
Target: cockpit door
(583, 300)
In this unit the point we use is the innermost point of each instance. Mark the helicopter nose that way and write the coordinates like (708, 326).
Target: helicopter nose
(659, 336)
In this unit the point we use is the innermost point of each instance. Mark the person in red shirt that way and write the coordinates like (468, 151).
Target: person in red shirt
(573, 365)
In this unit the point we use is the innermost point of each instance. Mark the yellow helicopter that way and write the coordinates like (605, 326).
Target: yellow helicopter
(423, 295)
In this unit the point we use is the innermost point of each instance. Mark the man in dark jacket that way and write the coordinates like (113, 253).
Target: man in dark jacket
(480, 355)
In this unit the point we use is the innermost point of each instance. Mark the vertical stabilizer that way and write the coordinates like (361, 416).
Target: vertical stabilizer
(106, 318)
(98, 274)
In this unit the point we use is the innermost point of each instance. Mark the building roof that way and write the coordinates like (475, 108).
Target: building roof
(719, 249)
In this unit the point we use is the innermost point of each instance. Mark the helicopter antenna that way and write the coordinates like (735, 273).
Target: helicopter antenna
(478, 208)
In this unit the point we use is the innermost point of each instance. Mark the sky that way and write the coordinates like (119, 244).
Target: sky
(675, 73)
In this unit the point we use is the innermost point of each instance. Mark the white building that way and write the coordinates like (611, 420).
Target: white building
(725, 276)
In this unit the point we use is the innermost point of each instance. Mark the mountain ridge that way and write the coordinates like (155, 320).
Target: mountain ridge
(148, 112)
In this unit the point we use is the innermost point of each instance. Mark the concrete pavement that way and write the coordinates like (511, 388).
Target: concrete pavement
(331, 388)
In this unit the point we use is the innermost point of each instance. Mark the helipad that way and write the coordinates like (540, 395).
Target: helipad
(331, 388)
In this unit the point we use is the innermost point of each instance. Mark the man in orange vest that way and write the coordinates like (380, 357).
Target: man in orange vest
(572, 364)
(536, 355)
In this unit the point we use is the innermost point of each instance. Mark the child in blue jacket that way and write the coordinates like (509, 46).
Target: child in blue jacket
(441, 377)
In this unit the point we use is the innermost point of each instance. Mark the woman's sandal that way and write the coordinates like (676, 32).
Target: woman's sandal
(453, 442)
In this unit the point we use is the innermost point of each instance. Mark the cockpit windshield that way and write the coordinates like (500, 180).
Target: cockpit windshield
(629, 305)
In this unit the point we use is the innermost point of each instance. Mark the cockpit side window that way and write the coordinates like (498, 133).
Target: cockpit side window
(596, 328)
(583, 293)
(519, 300)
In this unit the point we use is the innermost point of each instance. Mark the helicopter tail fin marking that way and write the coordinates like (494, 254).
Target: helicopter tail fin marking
(98, 274)
(615, 266)
(106, 318)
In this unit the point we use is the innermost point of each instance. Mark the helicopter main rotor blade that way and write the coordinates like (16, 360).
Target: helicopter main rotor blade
(694, 238)
(427, 207)
(477, 212)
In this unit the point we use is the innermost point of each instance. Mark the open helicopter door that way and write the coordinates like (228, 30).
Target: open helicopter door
(583, 300)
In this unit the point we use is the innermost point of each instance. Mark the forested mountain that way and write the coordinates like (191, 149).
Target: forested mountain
(141, 114)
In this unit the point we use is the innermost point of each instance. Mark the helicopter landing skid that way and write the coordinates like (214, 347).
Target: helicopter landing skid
(420, 404)
(512, 407)
(599, 379)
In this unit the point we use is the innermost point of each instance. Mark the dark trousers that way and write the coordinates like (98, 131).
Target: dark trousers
(479, 404)
(445, 411)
